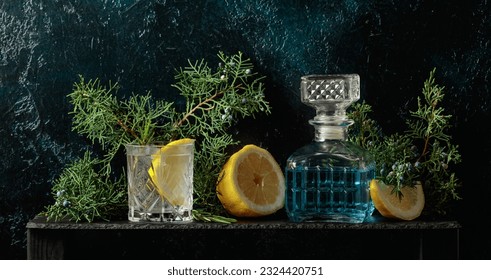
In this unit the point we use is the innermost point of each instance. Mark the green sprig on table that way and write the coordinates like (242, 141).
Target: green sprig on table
(216, 99)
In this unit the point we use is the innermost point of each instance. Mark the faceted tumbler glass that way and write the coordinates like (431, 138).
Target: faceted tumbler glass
(160, 182)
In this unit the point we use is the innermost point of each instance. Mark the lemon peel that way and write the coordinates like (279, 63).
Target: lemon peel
(251, 183)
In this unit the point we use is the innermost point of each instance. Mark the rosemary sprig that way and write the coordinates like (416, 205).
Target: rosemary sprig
(205, 216)
(423, 152)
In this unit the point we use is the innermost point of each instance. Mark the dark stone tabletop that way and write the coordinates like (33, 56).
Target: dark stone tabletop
(375, 223)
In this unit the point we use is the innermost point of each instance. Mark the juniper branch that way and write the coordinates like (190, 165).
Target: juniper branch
(215, 100)
(422, 153)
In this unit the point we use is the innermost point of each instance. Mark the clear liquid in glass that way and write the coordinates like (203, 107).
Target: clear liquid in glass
(160, 184)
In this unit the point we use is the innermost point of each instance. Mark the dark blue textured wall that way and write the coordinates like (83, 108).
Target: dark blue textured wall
(393, 45)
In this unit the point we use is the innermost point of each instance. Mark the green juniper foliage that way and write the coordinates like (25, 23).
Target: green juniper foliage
(215, 100)
(104, 119)
(423, 152)
(83, 193)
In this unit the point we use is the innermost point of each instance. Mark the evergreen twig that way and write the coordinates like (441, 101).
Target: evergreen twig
(424, 151)
(83, 193)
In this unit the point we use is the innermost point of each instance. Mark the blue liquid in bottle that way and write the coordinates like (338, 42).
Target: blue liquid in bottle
(328, 193)
(328, 180)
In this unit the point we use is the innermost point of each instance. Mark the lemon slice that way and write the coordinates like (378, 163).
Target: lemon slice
(251, 183)
(171, 172)
(389, 205)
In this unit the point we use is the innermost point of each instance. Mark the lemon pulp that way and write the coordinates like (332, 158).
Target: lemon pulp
(251, 183)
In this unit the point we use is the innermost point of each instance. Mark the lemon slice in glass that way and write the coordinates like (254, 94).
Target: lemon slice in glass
(171, 172)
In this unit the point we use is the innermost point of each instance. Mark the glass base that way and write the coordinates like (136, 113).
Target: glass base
(177, 216)
(354, 217)
(136, 216)
(166, 216)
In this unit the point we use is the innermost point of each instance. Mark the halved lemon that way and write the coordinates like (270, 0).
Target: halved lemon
(171, 172)
(251, 183)
(389, 205)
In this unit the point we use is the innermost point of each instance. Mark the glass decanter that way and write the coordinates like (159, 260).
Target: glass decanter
(328, 180)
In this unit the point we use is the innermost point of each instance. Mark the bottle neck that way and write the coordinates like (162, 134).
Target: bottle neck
(331, 129)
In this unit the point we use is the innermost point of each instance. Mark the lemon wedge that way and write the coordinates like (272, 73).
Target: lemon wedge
(389, 205)
(171, 172)
(251, 183)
